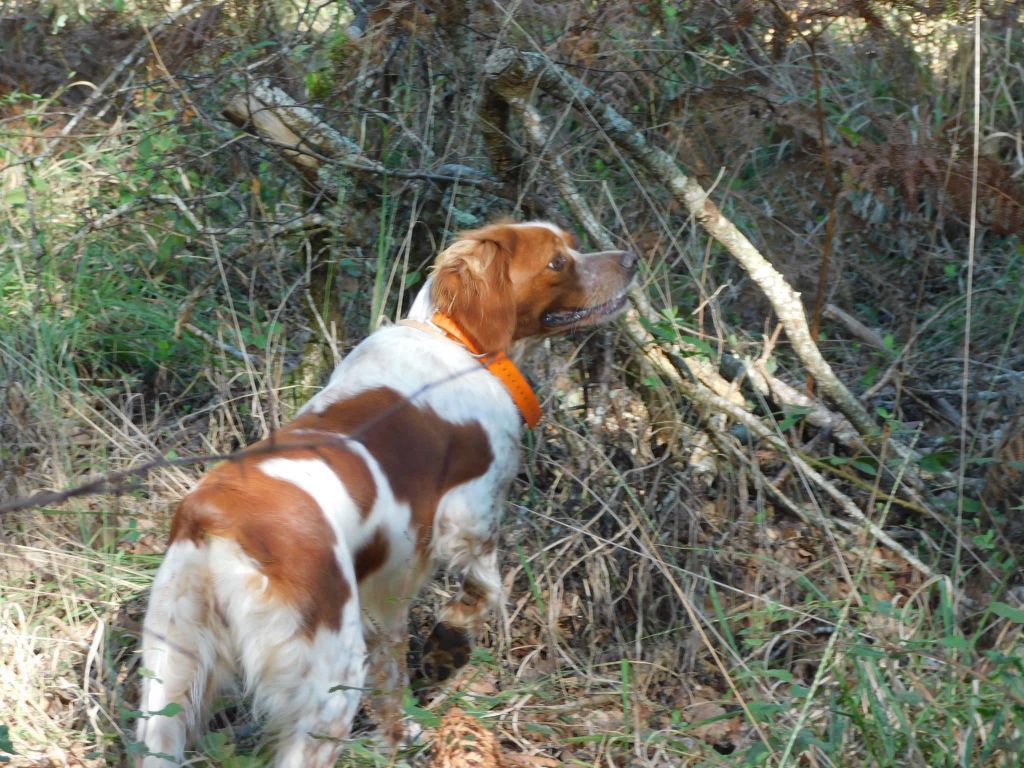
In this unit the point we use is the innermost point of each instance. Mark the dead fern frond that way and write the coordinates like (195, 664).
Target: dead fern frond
(930, 168)
(1000, 198)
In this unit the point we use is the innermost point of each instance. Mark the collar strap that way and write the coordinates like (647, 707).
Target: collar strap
(498, 363)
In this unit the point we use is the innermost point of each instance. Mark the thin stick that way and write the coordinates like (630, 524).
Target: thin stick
(968, 303)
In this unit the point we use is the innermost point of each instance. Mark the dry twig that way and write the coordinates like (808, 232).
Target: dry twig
(310, 144)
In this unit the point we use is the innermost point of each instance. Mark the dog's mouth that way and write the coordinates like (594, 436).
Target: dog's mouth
(560, 318)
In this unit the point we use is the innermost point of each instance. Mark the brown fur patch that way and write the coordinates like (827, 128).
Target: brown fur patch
(282, 527)
(372, 555)
(422, 455)
(471, 284)
(279, 526)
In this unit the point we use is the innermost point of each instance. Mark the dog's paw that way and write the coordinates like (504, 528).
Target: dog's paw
(402, 734)
(412, 734)
(445, 651)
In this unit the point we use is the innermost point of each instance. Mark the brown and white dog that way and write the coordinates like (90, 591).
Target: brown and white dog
(291, 566)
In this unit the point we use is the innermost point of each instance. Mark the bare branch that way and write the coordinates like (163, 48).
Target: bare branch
(516, 71)
(310, 144)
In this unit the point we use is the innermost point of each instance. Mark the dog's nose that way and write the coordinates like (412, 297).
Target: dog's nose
(628, 261)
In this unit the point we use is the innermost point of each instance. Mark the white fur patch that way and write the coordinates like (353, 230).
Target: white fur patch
(312, 476)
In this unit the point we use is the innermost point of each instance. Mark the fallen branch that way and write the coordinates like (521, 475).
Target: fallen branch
(868, 335)
(515, 73)
(311, 145)
(696, 366)
(816, 414)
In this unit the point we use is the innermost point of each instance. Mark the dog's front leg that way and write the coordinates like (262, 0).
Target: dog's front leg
(450, 643)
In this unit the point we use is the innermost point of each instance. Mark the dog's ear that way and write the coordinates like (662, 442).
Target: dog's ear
(472, 286)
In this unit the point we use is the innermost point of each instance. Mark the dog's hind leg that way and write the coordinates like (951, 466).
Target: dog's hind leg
(311, 699)
(301, 653)
(179, 656)
(387, 675)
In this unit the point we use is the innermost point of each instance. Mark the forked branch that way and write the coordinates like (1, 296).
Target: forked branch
(705, 387)
(516, 72)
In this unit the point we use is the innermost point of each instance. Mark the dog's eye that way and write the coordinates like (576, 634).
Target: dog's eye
(558, 262)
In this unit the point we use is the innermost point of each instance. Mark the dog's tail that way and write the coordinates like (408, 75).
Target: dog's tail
(179, 655)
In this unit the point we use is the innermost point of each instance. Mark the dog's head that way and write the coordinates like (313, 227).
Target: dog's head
(507, 281)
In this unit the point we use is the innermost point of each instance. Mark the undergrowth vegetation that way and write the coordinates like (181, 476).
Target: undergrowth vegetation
(172, 287)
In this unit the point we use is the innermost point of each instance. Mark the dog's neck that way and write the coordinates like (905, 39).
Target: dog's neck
(424, 315)
(423, 309)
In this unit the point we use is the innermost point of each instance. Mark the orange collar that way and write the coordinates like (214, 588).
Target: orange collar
(498, 363)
